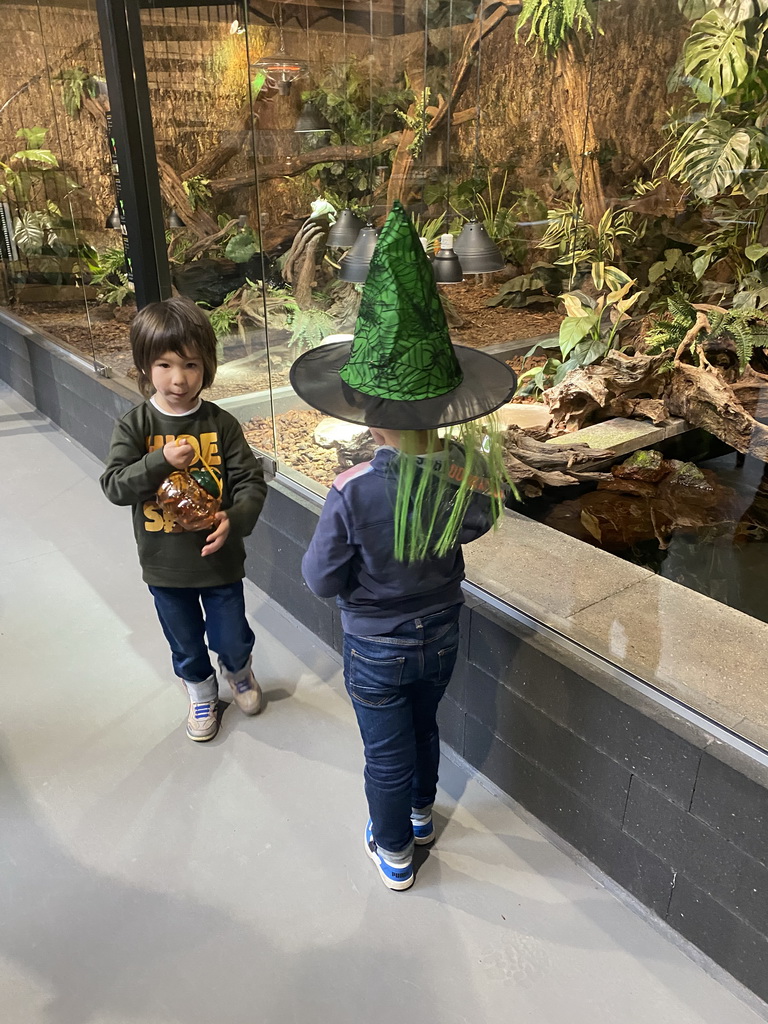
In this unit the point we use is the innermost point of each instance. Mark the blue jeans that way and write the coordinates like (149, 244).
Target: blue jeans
(180, 610)
(396, 682)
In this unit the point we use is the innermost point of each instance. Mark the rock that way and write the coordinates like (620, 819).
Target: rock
(649, 467)
(331, 433)
(352, 442)
(523, 414)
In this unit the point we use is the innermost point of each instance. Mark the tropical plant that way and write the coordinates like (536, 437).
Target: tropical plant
(109, 275)
(539, 287)
(360, 109)
(717, 141)
(587, 334)
(551, 23)
(675, 268)
(585, 248)
(26, 167)
(197, 190)
(224, 317)
(76, 84)
(747, 329)
(430, 228)
(35, 231)
(28, 179)
(242, 246)
(494, 203)
(308, 327)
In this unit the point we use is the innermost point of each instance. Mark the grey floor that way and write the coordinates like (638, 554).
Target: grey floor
(145, 879)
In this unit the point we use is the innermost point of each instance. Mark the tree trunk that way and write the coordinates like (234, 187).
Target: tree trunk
(570, 95)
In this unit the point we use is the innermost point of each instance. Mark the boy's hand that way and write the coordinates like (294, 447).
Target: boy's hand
(215, 540)
(179, 453)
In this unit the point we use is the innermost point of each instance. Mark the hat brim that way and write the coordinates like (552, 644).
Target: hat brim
(487, 385)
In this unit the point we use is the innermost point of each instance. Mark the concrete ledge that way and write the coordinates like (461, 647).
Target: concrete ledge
(704, 653)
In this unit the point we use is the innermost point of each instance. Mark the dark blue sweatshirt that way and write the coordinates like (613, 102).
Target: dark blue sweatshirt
(351, 555)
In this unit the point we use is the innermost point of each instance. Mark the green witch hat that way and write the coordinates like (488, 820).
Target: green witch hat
(401, 371)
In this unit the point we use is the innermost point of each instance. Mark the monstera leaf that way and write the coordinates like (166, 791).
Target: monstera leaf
(735, 10)
(710, 156)
(716, 53)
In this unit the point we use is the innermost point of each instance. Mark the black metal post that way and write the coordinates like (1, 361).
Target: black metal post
(123, 48)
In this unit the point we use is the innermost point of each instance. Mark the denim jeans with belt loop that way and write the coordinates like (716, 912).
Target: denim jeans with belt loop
(396, 682)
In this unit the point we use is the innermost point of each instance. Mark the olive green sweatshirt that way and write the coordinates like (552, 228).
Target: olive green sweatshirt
(136, 466)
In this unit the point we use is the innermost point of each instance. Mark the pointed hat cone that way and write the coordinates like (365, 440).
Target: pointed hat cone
(401, 371)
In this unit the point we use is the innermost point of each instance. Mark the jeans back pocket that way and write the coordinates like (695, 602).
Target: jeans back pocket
(374, 681)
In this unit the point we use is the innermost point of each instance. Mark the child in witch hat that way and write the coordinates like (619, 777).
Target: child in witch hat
(388, 543)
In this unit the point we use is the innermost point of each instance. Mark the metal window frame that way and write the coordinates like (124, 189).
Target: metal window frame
(126, 73)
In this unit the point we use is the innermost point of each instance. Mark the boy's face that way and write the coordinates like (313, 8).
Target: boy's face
(177, 381)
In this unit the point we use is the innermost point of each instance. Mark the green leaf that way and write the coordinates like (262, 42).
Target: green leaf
(756, 252)
(701, 264)
(716, 53)
(755, 185)
(34, 137)
(656, 271)
(241, 247)
(573, 305)
(574, 329)
(257, 83)
(710, 157)
(43, 157)
(672, 258)
(564, 369)
(590, 350)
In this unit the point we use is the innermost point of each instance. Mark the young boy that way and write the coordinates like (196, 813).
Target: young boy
(195, 578)
(388, 543)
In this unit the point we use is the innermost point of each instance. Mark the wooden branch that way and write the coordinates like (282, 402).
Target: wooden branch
(231, 144)
(208, 242)
(295, 165)
(490, 14)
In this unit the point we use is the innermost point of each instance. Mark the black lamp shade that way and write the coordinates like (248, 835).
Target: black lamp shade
(355, 263)
(477, 251)
(311, 120)
(446, 265)
(344, 232)
(175, 222)
(113, 220)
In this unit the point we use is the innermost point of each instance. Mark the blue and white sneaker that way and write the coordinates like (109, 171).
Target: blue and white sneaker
(423, 830)
(396, 878)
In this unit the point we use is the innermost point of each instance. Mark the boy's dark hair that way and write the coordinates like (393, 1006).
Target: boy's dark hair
(176, 325)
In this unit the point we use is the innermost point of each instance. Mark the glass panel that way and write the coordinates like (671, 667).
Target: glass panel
(197, 60)
(55, 186)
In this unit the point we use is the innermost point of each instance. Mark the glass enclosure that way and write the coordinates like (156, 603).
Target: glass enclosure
(616, 160)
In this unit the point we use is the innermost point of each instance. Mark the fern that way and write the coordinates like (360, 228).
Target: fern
(747, 328)
(308, 328)
(669, 329)
(552, 22)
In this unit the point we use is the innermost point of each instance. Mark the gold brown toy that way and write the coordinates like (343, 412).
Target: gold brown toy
(192, 497)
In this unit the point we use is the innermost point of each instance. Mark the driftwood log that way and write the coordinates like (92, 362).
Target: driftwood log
(619, 386)
(660, 387)
(533, 465)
